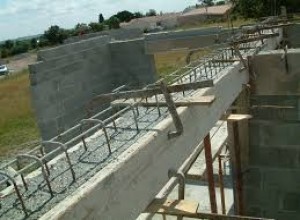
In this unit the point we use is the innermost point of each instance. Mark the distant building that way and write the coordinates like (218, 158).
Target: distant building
(164, 21)
(197, 15)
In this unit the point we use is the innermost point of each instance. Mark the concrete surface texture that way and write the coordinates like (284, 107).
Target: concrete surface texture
(293, 34)
(67, 77)
(272, 175)
(188, 39)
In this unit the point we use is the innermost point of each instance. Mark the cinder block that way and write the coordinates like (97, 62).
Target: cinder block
(267, 133)
(281, 179)
(265, 156)
(253, 178)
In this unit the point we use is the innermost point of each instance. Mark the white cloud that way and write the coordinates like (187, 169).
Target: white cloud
(21, 17)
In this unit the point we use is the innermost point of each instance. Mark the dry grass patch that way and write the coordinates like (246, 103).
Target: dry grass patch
(168, 62)
(17, 122)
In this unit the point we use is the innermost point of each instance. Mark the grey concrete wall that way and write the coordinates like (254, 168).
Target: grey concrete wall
(61, 87)
(67, 77)
(130, 64)
(271, 178)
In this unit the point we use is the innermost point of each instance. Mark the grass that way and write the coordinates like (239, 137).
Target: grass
(168, 62)
(17, 122)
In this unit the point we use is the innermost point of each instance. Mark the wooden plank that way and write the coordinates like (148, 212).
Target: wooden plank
(192, 101)
(177, 207)
(238, 117)
(213, 216)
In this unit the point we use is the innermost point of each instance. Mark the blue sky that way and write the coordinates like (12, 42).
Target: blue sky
(29, 17)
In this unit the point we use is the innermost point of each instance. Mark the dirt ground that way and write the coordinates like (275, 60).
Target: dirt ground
(20, 62)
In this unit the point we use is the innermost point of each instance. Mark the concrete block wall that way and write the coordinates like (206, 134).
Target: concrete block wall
(131, 65)
(67, 77)
(62, 86)
(271, 177)
(293, 34)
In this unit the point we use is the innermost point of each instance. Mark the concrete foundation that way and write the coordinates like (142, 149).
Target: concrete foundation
(121, 185)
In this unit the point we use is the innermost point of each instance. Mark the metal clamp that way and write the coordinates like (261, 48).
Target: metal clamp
(181, 181)
(172, 109)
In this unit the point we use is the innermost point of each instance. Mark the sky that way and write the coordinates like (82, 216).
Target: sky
(19, 18)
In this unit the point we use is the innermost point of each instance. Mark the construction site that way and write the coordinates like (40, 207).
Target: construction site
(215, 139)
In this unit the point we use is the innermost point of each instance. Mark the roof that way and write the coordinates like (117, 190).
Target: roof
(213, 10)
(152, 18)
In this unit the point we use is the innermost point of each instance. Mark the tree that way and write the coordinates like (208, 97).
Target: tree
(138, 14)
(96, 27)
(9, 44)
(33, 43)
(151, 12)
(113, 22)
(253, 8)
(20, 47)
(101, 18)
(55, 35)
(124, 16)
(221, 3)
(4, 53)
(206, 3)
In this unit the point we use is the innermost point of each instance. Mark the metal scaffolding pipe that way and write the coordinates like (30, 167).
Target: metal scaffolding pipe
(221, 184)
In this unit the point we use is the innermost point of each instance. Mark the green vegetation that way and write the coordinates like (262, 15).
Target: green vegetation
(259, 8)
(17, 122)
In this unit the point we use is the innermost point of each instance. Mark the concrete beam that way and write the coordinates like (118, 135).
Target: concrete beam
(124, 188)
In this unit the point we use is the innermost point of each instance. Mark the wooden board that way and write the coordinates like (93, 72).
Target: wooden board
(203, 100)
(172, 206)
(238, 117)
